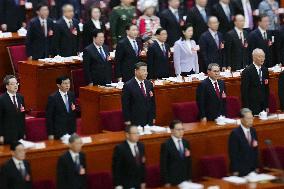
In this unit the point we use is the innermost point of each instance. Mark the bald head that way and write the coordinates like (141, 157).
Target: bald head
(213, 23)
(239, 21)
(258, 56)
(68, 11)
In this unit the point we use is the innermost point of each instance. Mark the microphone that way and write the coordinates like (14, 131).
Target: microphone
(276, 160)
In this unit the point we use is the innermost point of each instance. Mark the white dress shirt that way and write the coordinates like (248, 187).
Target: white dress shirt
(262, 33)
(98, 47)
(132, 43)
(188, 43)
(213, 83)
(240, 33)
(176, 141)
(63, 96)
(74, 155)
(18, 163)
(143, 84)
(44, 23)
(213, 33)
(97, 23)
(67, 21)
(132, 147)
(11, 97)
(246, 131)
(161, 45)
(226, 8)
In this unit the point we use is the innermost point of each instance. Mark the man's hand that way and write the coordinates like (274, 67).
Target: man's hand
(90, 84)
(235, 173)
(50, 137)
(167, 185)
(223, 69)
(127, 123)
(204, 120)
(30, 58)
(1, 140)
(143, 186)
(119, 79)
(4, 27)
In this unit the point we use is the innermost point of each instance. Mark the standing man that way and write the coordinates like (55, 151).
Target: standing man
(158, 56)
(128, 161)
(12, 15)
(97, 68)
(211, 95)
(120, 17)
(16, 172)
(66, 38)
(236, 45)
(243, 146)
(281, 90)
(171, 20)
(127, 54)
(60, 110)
(212, 44)
(12, 112)
(138, 100)
(40, 34)
(175, 157)
(71, 166)
(255, 84)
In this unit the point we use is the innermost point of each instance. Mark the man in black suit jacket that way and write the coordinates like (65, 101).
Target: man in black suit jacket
(138, 99)
(247, 10)
(12, 15)
(263, 39)
(127, 54)
(158, 56)
(128, 161)
(16, 172)
(243, 146)
(198, 17)
(175, 157)
(71, 166)
(281, 90)
(224, 12)
(94, 23)
(61, 110)
(211, 95)
(171, 19)
(236, 45)
(12, 112)
(40, 34)
(212, 44)
(97, 67)
(66, 36)
(255, 85)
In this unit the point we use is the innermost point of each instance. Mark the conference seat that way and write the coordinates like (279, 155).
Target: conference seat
(43, 184)
(272, 103)
(233, 106)
(153, 176)
(16, 53)
(78, 80)
(269, 160)
(112, 120)
(100, 180)
(36, 129)
(187, 112)
(213, 166)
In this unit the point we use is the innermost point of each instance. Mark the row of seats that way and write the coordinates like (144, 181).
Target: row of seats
(209, 166)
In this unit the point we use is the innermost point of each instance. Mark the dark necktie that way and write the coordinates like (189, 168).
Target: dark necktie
(102, 53)
(217, 89)
(248, 136)
(70, 25)
(217, 40)
(137, 154)
(135, 47)
(260, 75)
(164, 49)
(22, 169)
(14, 102)
(264, 36)
(142, 89)
(181, 151)
(77, 163)
(66, 102)
(43, 27)
(241, 37)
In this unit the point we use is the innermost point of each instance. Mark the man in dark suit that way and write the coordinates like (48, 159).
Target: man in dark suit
(12, 112)
(138, 100)
(224, 12)
(171, 20)
(246, 8)
(127, 54)
(281, 90)
(175, 157)
(255, 85)
(236, 45)
(66, 38)
(211, 95)
(16, 172)
(12, 15)
(263, 39)
(243, 146)
(40, 34)
(71, 166)
(60, 110)
(158, 56)
(97, 67)
(212, 44)
(198, 17)
(128, 161)
(93, 23)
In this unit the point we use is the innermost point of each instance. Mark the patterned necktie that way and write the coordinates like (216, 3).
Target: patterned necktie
(264, 36)
(248, 137)
(177, 15)
(217, 40)
(260, 75)
(137, 154)
(70, 25)
(217, 89)
(142, 89)
(102, 53)
(203, 14)
(77, 163)
(228, 13)
(164, 49)
(66, 102)
(135, 47)
(181, 150)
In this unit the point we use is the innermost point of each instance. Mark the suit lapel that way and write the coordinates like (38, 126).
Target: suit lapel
(212, 39)
(131, 47)
(61, 100)
(174, 147)
(99, 54)
(185, 47)
(139, 88)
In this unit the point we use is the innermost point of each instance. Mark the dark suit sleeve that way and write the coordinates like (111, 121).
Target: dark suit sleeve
(29, 40)
(119, 54)
(245, 88)
(126, 98)
(3, 177)
(228, 49)
(189, 170)
(164, 163)
(203, 50)
(50, 113)
(150, 62)
(1, 116)
(56, 40)
(200, 99)
(256, 161)
(267, 90)
(281, 90)
(61, 174)
(163, 20)
(86, 64)
(233, 151)
(117, 166)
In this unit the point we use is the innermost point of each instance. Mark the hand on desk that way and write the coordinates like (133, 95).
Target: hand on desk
(90, 84)
(203, 120)
(1, 140)
(4, 27)
(167, 185)
(50, 137)
(127, 123)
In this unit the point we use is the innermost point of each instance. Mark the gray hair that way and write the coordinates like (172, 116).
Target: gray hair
(244, 111)
(73, 138)
(211, 17)
(257, 51)
(7, 78)
(211, 65)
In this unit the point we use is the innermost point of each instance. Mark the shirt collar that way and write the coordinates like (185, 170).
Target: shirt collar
(96, 21)
(261, 30)
(256, 66)
(131, 144)
(41, 20)
(160, 43)
(245, 129)
(212, 32)
(175, 139)
(62, 93)
(138, 81)
(73, 154)
(223, 4)
(10, 94)
(98, 47)
(67, 20)
(200, 8)
(131, 40)
(16, 161)
(238, 30)
(212, 81)
(172, 9)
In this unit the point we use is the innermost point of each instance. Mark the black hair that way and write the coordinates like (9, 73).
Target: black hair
(261, 16)
(184, 28)
(128, 26)
(139, 64)
(159, 30)
(40, 5)
(174, 123)
(128, 128)
(60, 79)
(95, 32)
(14, 145)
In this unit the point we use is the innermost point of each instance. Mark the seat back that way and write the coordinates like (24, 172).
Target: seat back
(273, 157)
(16, 53)
(233, 106)
(153, 176)
(36, 129)
(272, 103)
(43, 184)
(213, 166)
(78, 80)
(101, 180)
(186, 112)
(112, 120)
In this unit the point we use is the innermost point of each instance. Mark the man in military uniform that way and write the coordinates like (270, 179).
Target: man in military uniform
(121, 16)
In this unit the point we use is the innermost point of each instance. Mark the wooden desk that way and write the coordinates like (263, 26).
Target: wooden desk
(38, 81)
(207, 139)
(5, 66)
(96, 99)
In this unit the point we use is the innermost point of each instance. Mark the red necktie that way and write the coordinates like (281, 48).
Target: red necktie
(217, 89)
(142, 89)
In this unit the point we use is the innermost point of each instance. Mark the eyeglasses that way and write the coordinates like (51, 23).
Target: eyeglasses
(13, 84)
